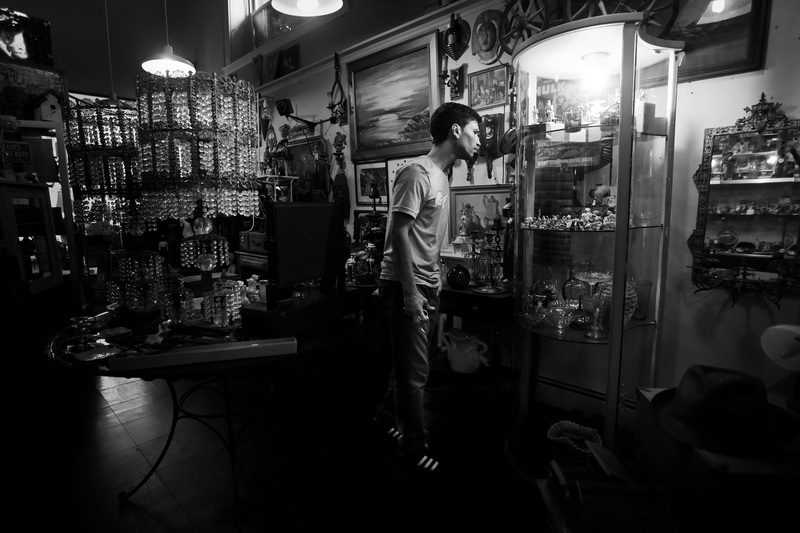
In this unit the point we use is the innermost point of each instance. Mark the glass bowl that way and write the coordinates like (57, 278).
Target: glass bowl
(561, 316)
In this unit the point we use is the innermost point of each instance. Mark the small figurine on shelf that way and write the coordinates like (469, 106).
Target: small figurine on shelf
(252, 289)
(549, 111)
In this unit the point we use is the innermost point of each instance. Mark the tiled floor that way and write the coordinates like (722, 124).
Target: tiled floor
(308, 459)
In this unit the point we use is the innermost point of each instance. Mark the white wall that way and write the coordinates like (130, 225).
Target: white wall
(308, 94)
(699, 328)
(703, 328)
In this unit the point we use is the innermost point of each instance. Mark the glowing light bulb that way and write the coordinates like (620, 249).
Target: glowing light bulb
(594, 69)
(307, 5)
(717, 6)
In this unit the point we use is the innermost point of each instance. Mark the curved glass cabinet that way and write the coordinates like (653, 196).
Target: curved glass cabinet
(595, 108)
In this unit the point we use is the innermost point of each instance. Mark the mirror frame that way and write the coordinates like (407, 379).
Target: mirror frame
(764, 117)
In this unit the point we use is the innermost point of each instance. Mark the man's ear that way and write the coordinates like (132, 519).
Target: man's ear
(456, 129)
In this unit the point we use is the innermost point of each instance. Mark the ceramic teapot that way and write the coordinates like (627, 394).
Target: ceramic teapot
(465, 353)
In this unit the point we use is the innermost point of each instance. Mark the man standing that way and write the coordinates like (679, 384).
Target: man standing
(410, 273)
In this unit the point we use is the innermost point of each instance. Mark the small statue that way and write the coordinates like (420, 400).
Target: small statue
(549, 111)
(251, 292)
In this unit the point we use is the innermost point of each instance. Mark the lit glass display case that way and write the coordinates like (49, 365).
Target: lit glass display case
(595, 109)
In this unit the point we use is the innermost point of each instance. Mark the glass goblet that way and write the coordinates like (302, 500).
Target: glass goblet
(593, 277)
(593, 305)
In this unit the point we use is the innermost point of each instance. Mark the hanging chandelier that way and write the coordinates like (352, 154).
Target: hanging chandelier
(103, 148)
(198, 142)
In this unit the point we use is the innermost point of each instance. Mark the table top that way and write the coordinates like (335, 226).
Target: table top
(111, 349)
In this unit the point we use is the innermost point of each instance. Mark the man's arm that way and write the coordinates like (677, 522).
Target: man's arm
(416, 306)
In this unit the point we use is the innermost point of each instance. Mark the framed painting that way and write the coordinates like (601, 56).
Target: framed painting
(476, 208)
(394, 92)
(21, 87)
(308, 165)
(25, 39)
(729, 42)
(369, 175)
(488, 88)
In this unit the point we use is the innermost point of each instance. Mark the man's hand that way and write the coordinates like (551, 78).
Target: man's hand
(416, 308)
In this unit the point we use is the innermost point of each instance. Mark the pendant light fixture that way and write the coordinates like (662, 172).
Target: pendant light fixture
(307, 8)
(167, 62)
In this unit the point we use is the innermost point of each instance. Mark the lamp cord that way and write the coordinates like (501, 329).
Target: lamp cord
(108, 41)
(166, 21)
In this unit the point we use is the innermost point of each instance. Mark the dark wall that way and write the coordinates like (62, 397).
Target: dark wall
(78, 30)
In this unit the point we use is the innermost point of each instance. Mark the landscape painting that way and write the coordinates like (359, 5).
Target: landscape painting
(394, 94)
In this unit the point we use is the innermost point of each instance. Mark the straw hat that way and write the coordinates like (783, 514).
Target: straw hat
(723, 411)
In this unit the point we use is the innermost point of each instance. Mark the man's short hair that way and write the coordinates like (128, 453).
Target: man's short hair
(448, 114)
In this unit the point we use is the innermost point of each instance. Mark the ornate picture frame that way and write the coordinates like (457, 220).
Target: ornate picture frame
(721, 45)
(394, 92)
(367, 173)
(488, 88)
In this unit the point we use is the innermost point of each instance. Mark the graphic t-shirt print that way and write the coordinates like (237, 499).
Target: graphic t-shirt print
(441, 199)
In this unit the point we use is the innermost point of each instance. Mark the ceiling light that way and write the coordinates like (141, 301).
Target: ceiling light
(307, 8)
(167, 62)
(718, 6)
(595, 59)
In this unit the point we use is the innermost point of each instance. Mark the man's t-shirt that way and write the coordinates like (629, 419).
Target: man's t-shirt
(422, 191)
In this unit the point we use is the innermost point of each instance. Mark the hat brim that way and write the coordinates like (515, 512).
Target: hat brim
(741, 442)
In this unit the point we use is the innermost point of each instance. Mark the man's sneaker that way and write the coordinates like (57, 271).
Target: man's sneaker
(387, 429)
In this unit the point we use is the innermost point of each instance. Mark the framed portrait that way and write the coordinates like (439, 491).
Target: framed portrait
(367, 176)
(394, 93)
(270, 67)
(488, 88)
(310, 168)
(720, 44)
(25, 39)
(22, 86)
(288, 60)
(476, 208)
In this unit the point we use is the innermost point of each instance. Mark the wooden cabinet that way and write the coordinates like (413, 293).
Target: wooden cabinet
(30, 229)
(28, 233)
